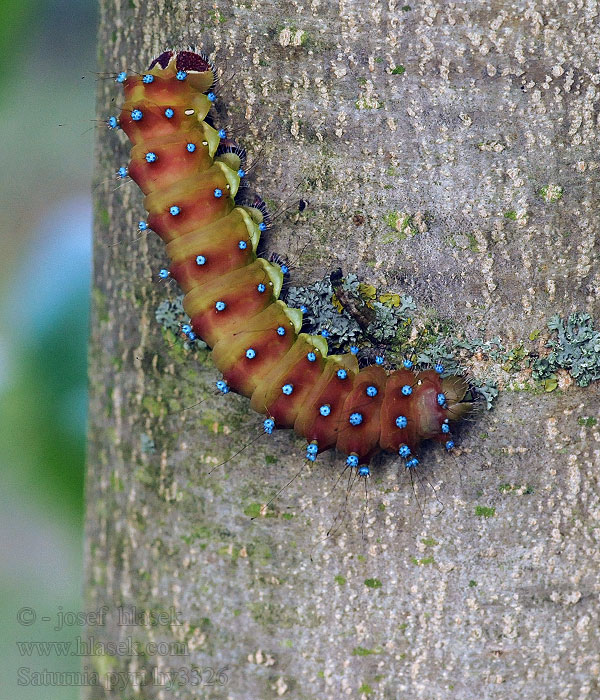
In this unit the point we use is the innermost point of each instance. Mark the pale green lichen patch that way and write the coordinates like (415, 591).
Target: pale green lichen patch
(551, 193)
(324, 314)
(104, 217)
(291, 36)
(116, 482)
(100, 305)
(368, 102)
(147, 444)
(254, 510)
(363, 651)
(404, 225)
(201, 532)
(155, 408)
(217, 17)
(514, 359)
(550, 383)
(373, 583)
(485, 511)
(463, 241)
(424, 561)
(270, 614)
(575, 348)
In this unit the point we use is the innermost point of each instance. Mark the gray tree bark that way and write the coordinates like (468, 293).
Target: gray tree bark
(480, 120)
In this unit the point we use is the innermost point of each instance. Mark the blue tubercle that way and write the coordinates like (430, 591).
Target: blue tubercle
(364, 471)
(325, 410)
(407, 390)
(379, 359)
(268, 425)
(222, 386)
(311, 357)
(262, 226)
(136, 115)
(312, 449)
(284, 269)
(222, 134)
(250, 353)
(163, 274)
(408, 364)
(147, 79)
(354, 349)
(412, 463)
(404, 451)
(181, 75)
(186, 328)
(169, 113)
(439, 368)
(342, 374)
(356, 418)
(401, 422)
(151, 157)
(242, 245)
(112, 123)
(122, 172)
(218, 193)
(261, 287)
(287, 389)
(450, 445)
(441, 399)
(200, 260)
(121, 77)
(371, 391)
(445, 428)
(241, 173)
(191, 336)
(211, 97)
(174, 210)
(220, 306)
(281, 330)
(191, 147)
(352, 461)
(324, 332)
(142, 226)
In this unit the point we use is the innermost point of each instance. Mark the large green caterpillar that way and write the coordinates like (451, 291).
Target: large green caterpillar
(190, 184)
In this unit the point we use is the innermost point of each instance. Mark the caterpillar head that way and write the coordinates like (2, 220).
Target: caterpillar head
(458, 396)
(187, 61)
(191, 62)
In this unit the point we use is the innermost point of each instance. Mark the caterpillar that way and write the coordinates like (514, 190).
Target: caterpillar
(190, 174)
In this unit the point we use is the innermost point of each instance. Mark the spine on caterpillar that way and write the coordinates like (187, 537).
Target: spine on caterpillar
(190, 181)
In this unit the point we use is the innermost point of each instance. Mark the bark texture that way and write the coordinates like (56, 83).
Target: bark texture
(480, 120)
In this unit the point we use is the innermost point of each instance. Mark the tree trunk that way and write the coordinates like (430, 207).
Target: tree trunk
(480, 121)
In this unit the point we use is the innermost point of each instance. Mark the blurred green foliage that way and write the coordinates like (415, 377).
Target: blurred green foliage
(15, 17)
(47, 112)
(42, 446)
